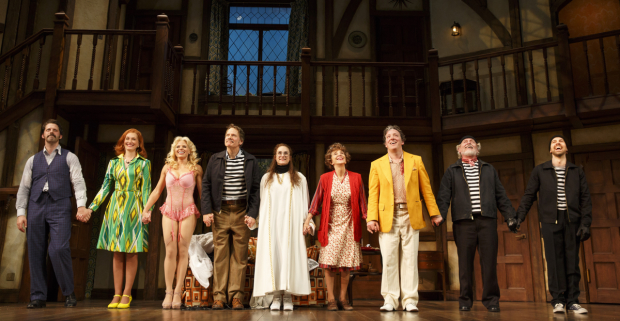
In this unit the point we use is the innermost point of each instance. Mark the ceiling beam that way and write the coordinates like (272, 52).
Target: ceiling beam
(480, 7)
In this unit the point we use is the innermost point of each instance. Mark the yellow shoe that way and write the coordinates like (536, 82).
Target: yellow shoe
(124, 306)
(114, 305)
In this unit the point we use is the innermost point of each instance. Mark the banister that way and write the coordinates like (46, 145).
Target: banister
(499, 53)
(594, 36)
(30, 40)
(368, 64)
(109, 32)
(241, 63)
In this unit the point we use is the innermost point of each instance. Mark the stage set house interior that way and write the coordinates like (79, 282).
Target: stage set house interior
(512, 73)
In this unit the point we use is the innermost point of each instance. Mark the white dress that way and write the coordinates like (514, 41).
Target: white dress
(281, 259)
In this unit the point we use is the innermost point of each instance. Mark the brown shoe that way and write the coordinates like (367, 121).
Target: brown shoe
(217, 305)
(237, 305)
(332, 306)
(345, 305)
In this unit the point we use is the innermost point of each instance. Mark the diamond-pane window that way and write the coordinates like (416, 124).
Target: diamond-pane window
(258, 34)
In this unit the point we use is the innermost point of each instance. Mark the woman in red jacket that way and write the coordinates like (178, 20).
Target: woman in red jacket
(341, 195)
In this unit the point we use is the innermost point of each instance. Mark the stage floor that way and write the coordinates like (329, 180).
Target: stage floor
(364, 311)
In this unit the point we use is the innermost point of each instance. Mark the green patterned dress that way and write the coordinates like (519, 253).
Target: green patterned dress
(122, 229)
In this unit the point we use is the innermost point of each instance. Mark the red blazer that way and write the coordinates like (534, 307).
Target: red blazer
(322, 198)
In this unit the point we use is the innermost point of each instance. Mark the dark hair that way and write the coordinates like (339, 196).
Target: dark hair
(120, 145)
(241, 133)
(51, 121)
(295, 179)
(390, 127)
(336, 147)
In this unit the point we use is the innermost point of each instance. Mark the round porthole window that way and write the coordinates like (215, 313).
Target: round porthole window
(357, 39)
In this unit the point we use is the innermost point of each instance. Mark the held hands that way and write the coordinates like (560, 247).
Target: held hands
(146, 217)
(372, 226)
(250, 221)
(583, 232)
(514, 224)
(22, 223)
(208, 219)
(436, 220)
(83, 214)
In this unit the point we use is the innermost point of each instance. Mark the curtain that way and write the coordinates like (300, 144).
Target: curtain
(297, 39)
(218, 43)
(301, 162)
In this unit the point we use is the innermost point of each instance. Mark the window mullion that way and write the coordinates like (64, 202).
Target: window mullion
(260, 45)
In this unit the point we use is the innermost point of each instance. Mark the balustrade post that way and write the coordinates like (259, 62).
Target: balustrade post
(306, 83)
(55, 67)
(433, 89)
(566, 76)
(158, 67)
(177, 83)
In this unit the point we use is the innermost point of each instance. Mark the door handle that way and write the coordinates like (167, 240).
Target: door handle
(521, 237)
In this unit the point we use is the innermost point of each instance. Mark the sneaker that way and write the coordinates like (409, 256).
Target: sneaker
(558, 308)
(275, 304)
(577, 309)
(387, 308)
(411, 308)
(288, 302)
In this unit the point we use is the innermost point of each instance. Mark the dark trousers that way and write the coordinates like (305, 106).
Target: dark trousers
(481, 232)
(562, 254)
(49, 218)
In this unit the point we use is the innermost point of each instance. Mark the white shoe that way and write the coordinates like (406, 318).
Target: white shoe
(387, 308)
(288, 303)
(411, 308)
(577, 309)
(275, 304)
(558, 308)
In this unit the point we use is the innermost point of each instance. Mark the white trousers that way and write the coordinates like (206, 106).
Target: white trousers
(399, 249)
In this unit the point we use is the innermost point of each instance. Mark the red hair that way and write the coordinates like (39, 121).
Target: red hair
(120, 145)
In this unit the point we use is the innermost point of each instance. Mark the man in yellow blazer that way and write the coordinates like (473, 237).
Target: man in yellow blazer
(395, 211)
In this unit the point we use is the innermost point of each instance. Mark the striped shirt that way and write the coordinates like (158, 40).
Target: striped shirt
(234, 178)
(473, 181)
(560, 173)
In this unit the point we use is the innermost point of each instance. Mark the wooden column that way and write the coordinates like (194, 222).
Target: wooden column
(159, 61)
(518, 61)
(55, 67)
(566, 77)
(306, 85)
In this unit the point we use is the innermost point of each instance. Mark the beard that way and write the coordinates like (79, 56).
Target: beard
(469, 152)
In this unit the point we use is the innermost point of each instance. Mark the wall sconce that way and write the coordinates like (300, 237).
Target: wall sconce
(456, 29)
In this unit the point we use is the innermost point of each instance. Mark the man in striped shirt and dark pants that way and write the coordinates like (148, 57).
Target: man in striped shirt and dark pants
(476, 193)
(565, 214)
(230, 200)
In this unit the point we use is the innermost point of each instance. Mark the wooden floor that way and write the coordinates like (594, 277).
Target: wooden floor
(364, 311)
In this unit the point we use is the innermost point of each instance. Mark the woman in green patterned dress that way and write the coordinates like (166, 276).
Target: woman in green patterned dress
(122, 230)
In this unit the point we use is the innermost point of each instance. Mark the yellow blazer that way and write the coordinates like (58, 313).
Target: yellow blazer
(381, 192)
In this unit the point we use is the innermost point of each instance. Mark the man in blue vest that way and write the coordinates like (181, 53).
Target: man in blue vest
(45, 193)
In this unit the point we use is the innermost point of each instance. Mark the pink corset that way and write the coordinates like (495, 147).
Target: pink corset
(180, 201)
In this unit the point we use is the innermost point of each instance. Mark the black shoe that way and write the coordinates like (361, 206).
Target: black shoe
(36, 304)
(71, 300)
(494, 308)
(464, 308)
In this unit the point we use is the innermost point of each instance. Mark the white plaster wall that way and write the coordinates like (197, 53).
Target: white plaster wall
(596, 135)
(193, 24)
(476, 34)
(320, 29)
(535, 20)
(111, 133)
(359, 23)
(89, 14)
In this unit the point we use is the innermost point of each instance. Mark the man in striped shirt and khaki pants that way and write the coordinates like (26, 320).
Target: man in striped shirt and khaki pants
(230, 201)
(476, 193)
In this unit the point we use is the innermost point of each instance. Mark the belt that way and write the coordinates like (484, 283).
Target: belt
(235, 202)
(400, 206)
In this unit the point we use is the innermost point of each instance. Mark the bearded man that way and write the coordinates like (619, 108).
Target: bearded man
(476, 193)
(565, 213)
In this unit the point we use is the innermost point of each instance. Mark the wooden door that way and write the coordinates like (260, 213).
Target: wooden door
(80, 232)
(514, 269)
(401, 39)
(602, 250)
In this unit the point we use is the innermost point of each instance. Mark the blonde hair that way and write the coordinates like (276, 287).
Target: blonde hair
(459, 153)
(192, 158)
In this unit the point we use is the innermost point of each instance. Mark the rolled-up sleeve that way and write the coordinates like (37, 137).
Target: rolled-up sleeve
(21, 203)
(317, 200)
(77, 179)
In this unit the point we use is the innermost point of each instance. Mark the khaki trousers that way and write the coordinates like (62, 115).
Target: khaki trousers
(399, 249)
(230, 240)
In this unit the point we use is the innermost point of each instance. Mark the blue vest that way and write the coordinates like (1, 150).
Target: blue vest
(56, 174)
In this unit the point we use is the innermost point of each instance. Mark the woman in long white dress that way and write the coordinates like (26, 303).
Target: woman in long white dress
(281, 259)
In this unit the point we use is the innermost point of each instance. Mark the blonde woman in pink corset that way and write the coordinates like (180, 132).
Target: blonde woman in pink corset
(180, 175)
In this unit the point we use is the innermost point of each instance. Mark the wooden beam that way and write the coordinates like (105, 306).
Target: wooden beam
(55, 67)
(158, 63)
(343, 25)
(329, 55)
(498, 28)
(517, 41)
(566, 76)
